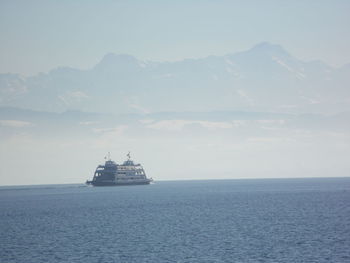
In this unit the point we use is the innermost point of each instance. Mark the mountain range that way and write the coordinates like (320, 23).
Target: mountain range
(256, 113)
(264, 78)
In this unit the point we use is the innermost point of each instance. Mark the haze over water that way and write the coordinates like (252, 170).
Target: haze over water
(227, 89)
(197, 91)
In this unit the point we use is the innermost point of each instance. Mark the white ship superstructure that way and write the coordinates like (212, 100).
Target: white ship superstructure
(112, 173)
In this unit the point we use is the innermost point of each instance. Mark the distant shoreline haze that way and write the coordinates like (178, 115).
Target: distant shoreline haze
(254, 114)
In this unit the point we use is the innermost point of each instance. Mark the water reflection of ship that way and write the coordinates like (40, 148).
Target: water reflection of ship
(112, 174)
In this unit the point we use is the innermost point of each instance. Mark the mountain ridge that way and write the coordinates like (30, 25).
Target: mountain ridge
(263, 78)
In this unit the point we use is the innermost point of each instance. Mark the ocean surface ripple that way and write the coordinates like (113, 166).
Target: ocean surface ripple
(267, 220)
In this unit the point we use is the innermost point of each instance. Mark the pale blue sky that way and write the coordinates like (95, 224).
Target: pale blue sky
(40, 35)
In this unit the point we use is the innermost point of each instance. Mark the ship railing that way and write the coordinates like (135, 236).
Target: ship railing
(139, 167)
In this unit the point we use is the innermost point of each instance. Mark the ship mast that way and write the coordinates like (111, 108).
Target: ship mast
(128, 155)
(108, 157)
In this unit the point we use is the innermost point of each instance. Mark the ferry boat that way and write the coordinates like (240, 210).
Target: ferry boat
(113, 174)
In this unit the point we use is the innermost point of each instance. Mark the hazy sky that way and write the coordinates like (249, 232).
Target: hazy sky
(40, 35)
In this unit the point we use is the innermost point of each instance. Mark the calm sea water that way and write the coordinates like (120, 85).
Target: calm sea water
(270, 220)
